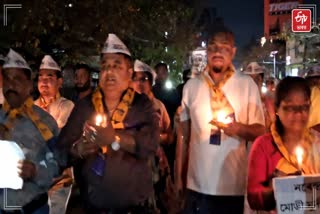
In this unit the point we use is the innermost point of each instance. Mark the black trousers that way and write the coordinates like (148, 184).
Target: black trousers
(198, 203)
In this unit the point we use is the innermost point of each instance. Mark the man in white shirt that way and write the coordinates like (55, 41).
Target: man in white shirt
(50, 100)
(221, 112)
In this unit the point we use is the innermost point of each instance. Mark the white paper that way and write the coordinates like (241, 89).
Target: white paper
(297, 194)
(10, 154)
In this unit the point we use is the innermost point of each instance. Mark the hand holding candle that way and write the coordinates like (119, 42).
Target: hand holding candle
(222, 119)
(101, 120)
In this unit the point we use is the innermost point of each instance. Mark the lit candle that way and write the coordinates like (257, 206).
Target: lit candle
(299, 155)
(223, 118)
(100, 120)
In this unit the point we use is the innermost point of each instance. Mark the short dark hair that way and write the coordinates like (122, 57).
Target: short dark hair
(285, 87)
(83, 66)
(224, 32)
(161, 64)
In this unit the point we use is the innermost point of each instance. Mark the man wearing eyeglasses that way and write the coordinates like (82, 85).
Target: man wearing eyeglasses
(221, 111)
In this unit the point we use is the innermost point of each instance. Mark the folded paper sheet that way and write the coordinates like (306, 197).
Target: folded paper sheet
(10, 154)
(297, 194)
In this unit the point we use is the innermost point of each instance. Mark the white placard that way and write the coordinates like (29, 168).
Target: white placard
(297, 194)
(10, 154)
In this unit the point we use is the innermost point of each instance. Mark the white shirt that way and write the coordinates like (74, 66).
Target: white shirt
(60, 110)
(219, 169)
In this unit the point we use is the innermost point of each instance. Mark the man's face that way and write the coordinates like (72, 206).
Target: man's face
(16, 86)
(220, 53)
(82, 80)
(141, 83)
(115, 74)
(162, 74)
(48, 82)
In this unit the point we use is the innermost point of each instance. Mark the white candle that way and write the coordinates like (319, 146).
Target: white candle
(299, 155)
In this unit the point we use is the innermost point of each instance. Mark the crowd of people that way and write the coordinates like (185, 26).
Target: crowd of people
(129, 145)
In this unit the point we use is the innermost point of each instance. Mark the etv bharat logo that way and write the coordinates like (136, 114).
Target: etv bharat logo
(303, 18)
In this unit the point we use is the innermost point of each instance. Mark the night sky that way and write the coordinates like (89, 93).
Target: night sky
(245, 17)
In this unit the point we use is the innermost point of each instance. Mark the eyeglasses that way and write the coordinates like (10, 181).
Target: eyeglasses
(142, 80)
(223, 49)
(296, 108)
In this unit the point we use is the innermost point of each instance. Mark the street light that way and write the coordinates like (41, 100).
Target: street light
(273, 54)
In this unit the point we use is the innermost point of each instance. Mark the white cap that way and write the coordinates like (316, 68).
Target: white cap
(314, 71)
(114, 45)
(253, 68)
(15, 60)
(140, 66)
(48, 63)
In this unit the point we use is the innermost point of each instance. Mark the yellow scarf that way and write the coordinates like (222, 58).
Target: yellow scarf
(120, 112)
(26, 110)
(288, 164)
(218, 99)
(45, 105)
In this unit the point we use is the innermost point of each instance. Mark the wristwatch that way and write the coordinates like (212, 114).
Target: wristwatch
(115, 145)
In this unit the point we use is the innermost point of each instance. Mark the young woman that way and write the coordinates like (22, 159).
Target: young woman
(273, 154)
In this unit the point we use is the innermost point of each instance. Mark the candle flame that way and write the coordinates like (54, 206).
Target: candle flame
(223, 118)
(99, 119)
(299, 154)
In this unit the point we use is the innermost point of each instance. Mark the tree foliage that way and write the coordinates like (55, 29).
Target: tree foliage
(75, 30)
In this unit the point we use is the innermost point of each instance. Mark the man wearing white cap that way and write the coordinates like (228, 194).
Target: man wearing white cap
(34, 130)
(113, 134)
(313, 77)
(49, 82)
(256, 72)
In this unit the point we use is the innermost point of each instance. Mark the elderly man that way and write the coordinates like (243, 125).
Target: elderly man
(112, 135)
(33, 130)
(221, 111)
